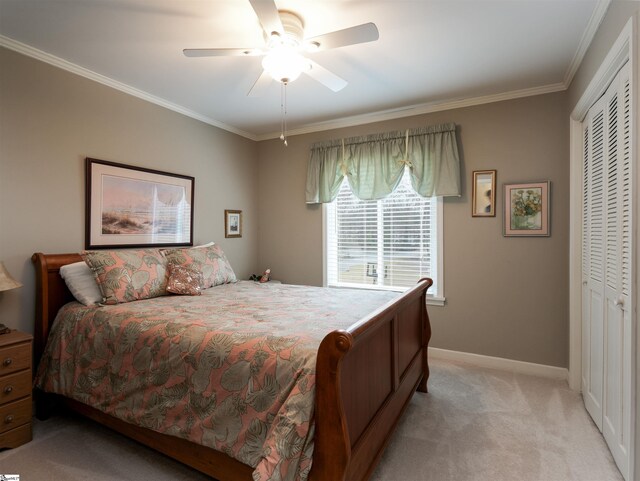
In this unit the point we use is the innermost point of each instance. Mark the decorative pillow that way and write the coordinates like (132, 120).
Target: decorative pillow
(183, 280)
(128, 275)
(211, 261)
(81, 281)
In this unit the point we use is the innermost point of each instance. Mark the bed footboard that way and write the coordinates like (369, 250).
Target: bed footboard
(366, 376)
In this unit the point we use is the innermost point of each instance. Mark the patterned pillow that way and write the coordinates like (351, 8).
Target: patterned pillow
(185, 281)
(211, 261)
(128, 275)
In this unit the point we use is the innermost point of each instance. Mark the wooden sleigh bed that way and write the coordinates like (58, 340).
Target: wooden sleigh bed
(365, 377)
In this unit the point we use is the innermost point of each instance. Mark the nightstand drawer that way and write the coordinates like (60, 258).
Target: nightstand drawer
(15, 358)
(14, 386)
(15, 414)
(16, 437)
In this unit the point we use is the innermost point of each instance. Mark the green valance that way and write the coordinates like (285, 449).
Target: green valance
(374, 164)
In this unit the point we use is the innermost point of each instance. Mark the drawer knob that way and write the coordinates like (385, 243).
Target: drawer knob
(7, 361)
(8, 419)
(8, 389)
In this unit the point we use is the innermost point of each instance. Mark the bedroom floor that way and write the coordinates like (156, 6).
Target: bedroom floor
(475, 424)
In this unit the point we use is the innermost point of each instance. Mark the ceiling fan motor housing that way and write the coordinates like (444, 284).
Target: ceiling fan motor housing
(293, 27)
(284, 61)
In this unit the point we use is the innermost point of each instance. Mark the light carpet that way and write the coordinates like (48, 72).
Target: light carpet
(474, 425)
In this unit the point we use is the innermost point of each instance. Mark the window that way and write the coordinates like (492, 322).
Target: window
(384, 244)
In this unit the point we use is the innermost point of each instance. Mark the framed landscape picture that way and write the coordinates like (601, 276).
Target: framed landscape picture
(233, 223)
(130, 206)
(526, 209)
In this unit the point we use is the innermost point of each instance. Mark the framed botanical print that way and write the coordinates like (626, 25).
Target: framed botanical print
(526, 209)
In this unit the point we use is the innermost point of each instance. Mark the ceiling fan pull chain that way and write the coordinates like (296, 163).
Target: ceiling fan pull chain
(285, 115)
(283, 112)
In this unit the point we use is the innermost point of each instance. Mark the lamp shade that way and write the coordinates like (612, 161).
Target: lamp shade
(6, 281)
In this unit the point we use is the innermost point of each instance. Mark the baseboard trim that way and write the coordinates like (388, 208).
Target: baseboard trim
(501, 363)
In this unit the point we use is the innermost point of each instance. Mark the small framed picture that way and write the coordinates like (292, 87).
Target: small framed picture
(484, 193)
(233, 223)
(526, 209)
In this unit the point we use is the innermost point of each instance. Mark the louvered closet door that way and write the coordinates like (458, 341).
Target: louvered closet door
(606, 267)
(593, 262)
(616, 422)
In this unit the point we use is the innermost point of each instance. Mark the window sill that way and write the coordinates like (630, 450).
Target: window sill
(436, 301)
(431, 300)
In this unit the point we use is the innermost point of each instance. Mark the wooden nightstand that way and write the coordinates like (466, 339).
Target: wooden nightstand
(15, 389)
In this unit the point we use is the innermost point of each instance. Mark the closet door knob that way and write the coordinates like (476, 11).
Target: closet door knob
(620, 301)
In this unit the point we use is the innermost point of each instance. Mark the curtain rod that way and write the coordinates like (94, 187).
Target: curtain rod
(391, 135)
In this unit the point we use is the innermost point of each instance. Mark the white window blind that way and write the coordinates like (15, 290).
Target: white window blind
(382, 244)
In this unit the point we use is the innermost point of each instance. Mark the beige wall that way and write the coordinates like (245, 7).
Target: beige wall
(506, 297)
(50, 120)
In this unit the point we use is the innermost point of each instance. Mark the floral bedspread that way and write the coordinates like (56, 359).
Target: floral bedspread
(233, 369)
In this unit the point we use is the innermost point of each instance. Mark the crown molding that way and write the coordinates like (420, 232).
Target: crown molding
(418, 109)
(587, 37)
(32, 52)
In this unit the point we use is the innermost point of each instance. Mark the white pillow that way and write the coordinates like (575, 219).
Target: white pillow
(209, 244)
(82, 283)
(164, 250)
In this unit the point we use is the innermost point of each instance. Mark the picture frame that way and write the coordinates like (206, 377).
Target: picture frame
(483, 196)
(129, 206)
(526, 209)
(232, 223)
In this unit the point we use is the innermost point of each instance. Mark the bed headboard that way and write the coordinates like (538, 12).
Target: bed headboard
(51, 295)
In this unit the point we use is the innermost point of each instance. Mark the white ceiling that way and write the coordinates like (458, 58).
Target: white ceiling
(429, 52)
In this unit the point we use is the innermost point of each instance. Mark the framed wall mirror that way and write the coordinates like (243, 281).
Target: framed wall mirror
(484, 193)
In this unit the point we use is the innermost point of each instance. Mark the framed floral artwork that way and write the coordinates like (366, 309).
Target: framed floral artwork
(483, 202)
(526, 209)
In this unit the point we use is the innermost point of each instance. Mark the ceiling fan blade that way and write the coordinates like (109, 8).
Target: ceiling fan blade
(260, 85)
(268, 16)
(325, 77)
(367, 32)
(221, 52)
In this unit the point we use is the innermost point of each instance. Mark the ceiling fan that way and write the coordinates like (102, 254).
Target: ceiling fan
(285, 44)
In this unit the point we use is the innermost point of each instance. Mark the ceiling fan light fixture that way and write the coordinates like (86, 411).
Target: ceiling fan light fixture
(284, 64)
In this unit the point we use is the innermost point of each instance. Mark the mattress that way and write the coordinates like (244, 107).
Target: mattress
(233, 369)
